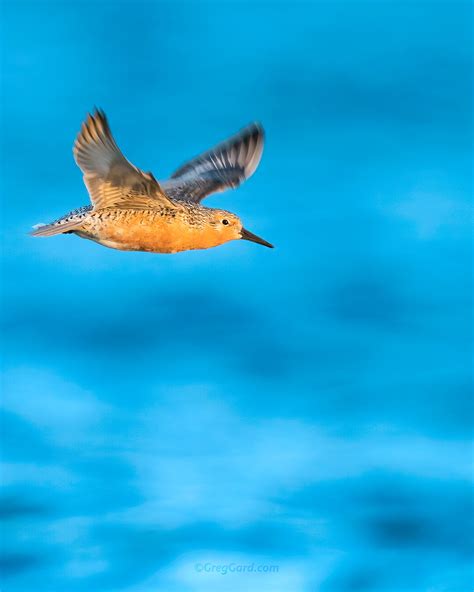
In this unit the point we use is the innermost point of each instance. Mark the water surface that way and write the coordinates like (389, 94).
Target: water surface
(306, 410)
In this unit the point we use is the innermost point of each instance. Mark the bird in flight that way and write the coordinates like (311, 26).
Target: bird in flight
(132, 211)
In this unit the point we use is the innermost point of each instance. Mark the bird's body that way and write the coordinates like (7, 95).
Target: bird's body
(157, 230)
(131, 211)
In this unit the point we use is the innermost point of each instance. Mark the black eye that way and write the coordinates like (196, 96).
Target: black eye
(225, 221)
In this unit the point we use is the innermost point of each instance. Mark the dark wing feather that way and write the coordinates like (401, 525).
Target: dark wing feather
(112, 181)
(223, 167)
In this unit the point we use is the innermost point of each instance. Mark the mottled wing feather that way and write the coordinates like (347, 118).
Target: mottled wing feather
(223, 167)
(113, 181)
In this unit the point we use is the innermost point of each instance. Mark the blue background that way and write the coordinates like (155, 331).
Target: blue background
(309, 407)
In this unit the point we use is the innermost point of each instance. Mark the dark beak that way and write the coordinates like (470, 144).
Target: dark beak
(246, 235)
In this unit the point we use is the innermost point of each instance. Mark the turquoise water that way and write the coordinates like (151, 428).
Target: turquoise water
(169, 421)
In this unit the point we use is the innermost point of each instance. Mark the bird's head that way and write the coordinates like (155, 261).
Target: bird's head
(227, 226)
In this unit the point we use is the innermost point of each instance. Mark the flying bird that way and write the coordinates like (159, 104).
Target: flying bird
(131, 211)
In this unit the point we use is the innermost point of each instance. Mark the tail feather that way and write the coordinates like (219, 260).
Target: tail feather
(65, 224)
(54, 228)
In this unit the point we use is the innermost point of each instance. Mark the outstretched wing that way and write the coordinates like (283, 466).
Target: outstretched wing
(113, 181)
(223, 167)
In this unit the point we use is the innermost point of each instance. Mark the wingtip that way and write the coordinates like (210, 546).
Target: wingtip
(256, 132)
(98, 113)
(94, 126)
(254, 127)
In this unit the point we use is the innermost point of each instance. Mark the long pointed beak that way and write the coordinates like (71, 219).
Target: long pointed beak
(246, 235)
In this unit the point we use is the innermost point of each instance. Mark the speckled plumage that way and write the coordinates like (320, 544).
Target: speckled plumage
(132, 211)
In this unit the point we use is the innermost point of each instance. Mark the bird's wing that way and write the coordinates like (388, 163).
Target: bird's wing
(113, 181)
(223, 167)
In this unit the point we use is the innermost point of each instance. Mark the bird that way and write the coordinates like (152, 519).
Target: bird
(131, 211)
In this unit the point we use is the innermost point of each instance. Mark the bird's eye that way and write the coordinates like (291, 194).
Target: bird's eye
(225, 221)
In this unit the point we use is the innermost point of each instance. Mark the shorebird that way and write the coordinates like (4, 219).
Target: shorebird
(132, 211)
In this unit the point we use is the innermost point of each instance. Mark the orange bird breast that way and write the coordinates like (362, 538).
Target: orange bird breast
(148, 230)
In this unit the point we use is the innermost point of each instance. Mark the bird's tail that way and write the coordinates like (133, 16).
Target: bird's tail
(67, 223)
(54, 228)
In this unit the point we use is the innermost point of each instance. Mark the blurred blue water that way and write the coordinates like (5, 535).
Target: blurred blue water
(308, 408)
